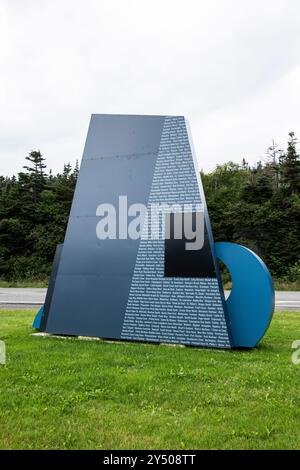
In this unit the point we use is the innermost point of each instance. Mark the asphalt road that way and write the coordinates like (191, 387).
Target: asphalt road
(33, 298)
(22, 298)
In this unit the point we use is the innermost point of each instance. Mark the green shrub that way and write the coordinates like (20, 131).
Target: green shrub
(293, 273)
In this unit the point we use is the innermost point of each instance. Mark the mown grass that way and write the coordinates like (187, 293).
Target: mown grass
(72, 394)
(287, 286)
(279, 285)
(34, 283)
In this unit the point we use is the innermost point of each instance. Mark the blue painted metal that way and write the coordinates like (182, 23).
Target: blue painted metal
(116, 288)
(250, 305)
(37, 320)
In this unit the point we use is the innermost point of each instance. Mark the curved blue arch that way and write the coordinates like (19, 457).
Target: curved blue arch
(250, 305)
(37, 320)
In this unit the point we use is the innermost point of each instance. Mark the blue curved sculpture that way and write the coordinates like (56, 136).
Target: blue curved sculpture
(250, 305)
(38, 318)
(108, 284)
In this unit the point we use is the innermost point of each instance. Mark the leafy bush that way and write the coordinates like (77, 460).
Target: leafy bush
(293, 273)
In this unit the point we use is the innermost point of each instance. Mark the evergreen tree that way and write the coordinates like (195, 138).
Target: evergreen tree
(272, 168)
(37, 164)
(37, 173)
(76, 170)
(258, 207)
(245, 164)
(258, 187)
(290, 166)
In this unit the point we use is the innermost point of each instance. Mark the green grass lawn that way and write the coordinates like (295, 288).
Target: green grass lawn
(72, 394)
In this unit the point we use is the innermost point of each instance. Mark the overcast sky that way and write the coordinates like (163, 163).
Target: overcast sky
(232, 67)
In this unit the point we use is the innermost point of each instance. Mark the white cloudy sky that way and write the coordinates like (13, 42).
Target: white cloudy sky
(231, 66)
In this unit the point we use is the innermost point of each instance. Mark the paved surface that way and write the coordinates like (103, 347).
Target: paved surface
(34, 298)
(285, 300)
(21, 298)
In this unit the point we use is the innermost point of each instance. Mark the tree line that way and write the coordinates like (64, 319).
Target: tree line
(257, 206)
(34, 210)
